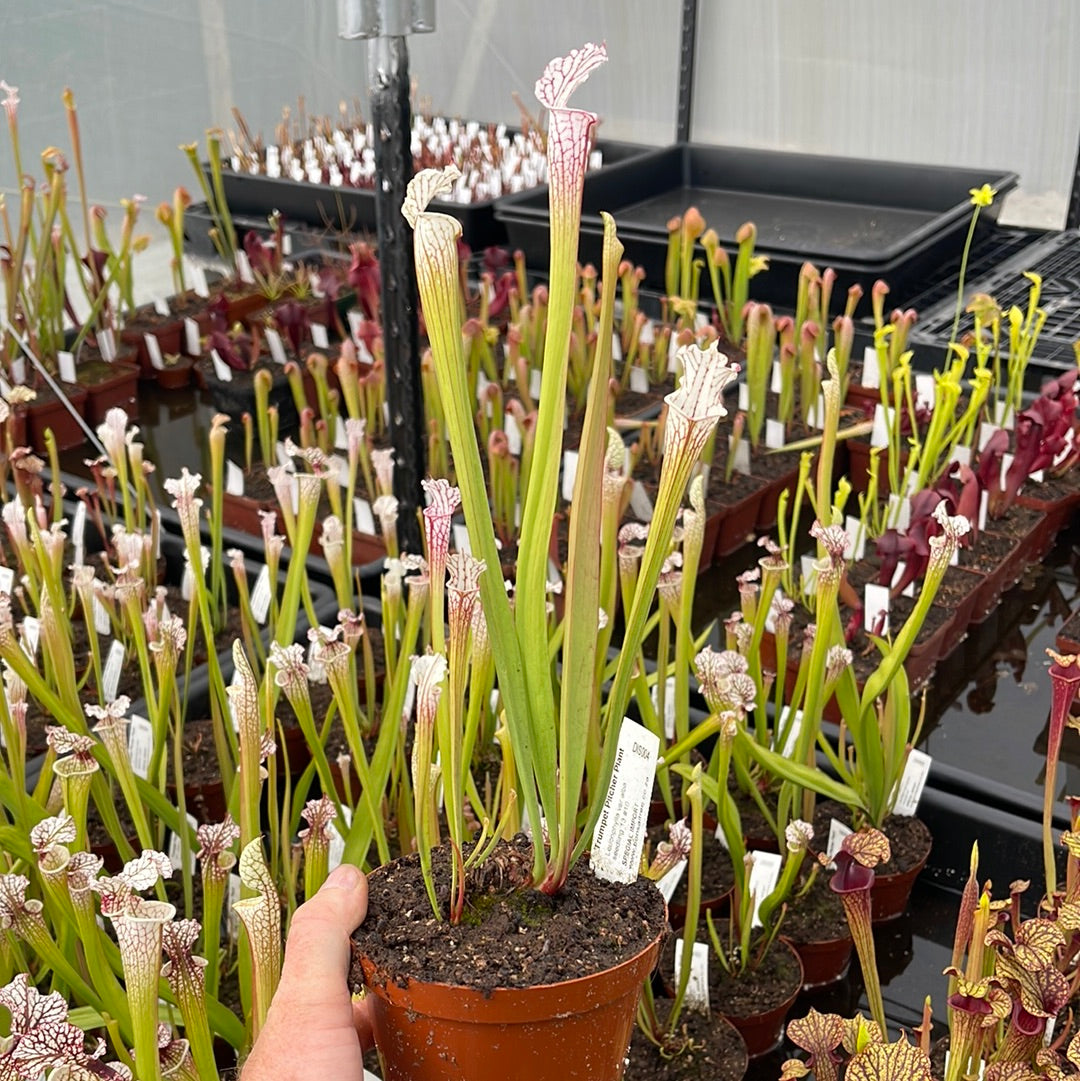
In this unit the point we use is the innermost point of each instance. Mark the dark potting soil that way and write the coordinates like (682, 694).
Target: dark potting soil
(908, 836)
(988, 552)
(199, 754)
(717, 875)
(510, 936)
(713, 1050)
(772, 983)
(816, 916)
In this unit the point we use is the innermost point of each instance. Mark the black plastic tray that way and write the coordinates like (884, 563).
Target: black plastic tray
(865, 219)
(352, 210)
(1054, 256)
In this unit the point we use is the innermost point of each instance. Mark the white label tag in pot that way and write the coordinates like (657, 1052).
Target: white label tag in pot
(66, 363)
(192, 344)
(356, 322)
(221, 369)
(341, 437)
(764, 874)
(243, 267)
(879, 435)
(876, 604)
(153, 349)
(647, 334)
(912, 783)
(961, 455)
(669, 706)
(513, 435)
(176, 848)
(741, 450)
(337, 839)
(674, 365)
(639, 380)
(31, 633)
(569, 473)
(140, 745)
(1007, 420)
(284, 458)
(901, 570)
(18, 373)
(7, 580)
(697, 988)
(901, 509)
(260, 595)
(856, 546)
(620, 831)
(793, 731)
(871, 374)
(1048, 1032)
(534, 384)
(114, 665)
(364, 518)
(198, 280)
(234, 479)
(161, 306)
(78, 534)
(986, 433)
(982, 1067)
(102, 623)
(640, 503)
(616, 347)
(232, 895)
(774, 434)
(276, 346)
(744, 397)
(984, 505)
(925, 390)
(776, 378)
(319, 337)
(669, 883)
(837, 832)
(106, 342)
(809, 575)
(461, 538)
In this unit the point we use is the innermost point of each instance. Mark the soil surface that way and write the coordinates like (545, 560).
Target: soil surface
(908, 836)
(510, 936)
(817, 916)
(717, 874)
(713, 1050)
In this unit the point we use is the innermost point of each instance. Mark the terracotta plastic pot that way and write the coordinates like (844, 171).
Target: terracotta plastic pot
(770, 499)
(824, 962)
(174, 376)
(1068, 637)
(765, 1031)
(738, 523)
(890, 893)
(579, 1029)
(51, 414)
(119, 391)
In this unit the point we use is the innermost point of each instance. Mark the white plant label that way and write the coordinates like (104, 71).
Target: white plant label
(669, 883)
(776, 378)
(102, 623)
(901, 570)
(744, 397)
(260, 595)
(901, 509)
(231, 897)
(161, 306)
(153, 348)
(176, 848)
(461, 538)
(648, 333)
(193, 347)
(925, 390)
(284, 458)
(875, 604)
(107, 345)
(961, 455)
(669, 707)
(31, 633)
(513, 435)
(982, 1067)
(356, 323)
(616, 347)
(18, 373)
(364, 518)
(569, 473)
(986, 433)
(741, 450)
(856, 548)
(912, 783)
(234, 479)
(697, 988)
(140, 745)
(78, 534)
(319, 337)
(221, 369)
(639, 379)
(341, 437)
(793, 731)
(66, 362)
(243, 267)
(774, 434)
(984, 506)
(114, 665)
(276, 346)
(879, 435)
(764, 874)
(871, 375)
(674, 365)
(620, 831)
(534, 384)
(640, 503)
(837, 832)
(187, 583)
(7, 580)
(1048, 1032)
(721, 837)
(809, 575)
(198, 280)
(1008, 419)
(337, 839)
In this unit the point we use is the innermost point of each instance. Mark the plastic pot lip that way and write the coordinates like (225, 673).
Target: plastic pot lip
(518, 1005)
(784, 1006)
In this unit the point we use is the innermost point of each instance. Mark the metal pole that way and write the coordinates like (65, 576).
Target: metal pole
(385, 24)
(686, 70)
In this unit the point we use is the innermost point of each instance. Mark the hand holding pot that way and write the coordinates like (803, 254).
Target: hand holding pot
(314, 1029)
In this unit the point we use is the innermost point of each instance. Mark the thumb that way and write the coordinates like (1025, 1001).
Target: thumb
(317, 951)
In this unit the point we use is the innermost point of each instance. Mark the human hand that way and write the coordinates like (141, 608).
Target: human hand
(313, 1027)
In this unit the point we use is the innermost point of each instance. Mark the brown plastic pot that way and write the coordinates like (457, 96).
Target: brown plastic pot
(824, 962)
(859, 467)
(769, 507)
(890, 894)
(50, 414)
(578, 1029)
(763, 1032)
(738, 523)
(1068, 637)
(174, 376)
(120, 390)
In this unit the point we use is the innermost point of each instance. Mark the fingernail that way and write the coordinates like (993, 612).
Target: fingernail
(343, 877)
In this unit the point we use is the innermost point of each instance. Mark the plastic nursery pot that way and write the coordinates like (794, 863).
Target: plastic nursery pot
(824, 962)
(47, 412)
(765, 1031)
(1068, 638)
(579, 1029)
(890, 894)
(738, 523)
(174, 376)
(859, 467)
(117, 388)
(770, 499)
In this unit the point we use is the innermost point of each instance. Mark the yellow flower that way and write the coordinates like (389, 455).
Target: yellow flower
(983, 196)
